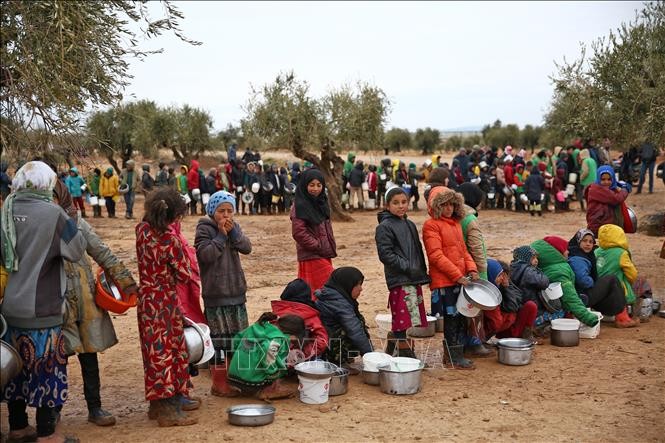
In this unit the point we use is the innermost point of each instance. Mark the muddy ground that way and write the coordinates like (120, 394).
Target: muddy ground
(608, 389)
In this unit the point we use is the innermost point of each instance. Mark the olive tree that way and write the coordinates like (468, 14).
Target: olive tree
(285, 114)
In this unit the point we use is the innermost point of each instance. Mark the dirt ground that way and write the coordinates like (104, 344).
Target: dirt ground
(608, 389)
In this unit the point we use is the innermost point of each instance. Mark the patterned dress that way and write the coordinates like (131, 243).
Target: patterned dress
(162, 264)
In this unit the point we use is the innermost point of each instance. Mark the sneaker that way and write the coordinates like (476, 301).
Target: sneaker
(100, 417)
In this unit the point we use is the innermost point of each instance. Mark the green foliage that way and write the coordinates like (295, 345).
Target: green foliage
(427, 140)
(229, 135)
(59, 56)
(619, 91)
(397, 139)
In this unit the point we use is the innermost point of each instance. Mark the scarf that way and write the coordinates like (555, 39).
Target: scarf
(343, 280)
(574, 250)
(312, 209)
(298, 291)
(605, 169)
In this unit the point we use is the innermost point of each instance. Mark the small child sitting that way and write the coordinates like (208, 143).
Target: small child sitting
(526, 275)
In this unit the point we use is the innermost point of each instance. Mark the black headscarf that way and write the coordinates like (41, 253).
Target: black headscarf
(472, 193)
(575, 250)
(343, 280)
(299, 291)
(309, 208)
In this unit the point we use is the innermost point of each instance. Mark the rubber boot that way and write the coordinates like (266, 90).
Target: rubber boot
(405, 348)
(478, 351)
(153, 409)
(476, 331)
(220, 383)
(390, 344)
(170, 414)
(83, 214)
(274, 391)
(623, 320)
(454, 356)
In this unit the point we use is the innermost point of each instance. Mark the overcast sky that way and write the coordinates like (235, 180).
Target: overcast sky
(443, 64)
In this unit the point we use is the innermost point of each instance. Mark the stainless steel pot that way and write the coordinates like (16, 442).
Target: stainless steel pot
(251, 415)
(194, 343)
(515, 351)
(315, 369)
(339, 383)
(400, 382)
(564, 338)
(3, 326)
(423, 331)
(371, 378)
(10, 363)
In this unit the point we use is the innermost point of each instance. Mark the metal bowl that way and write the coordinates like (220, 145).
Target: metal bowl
(482, 294)
(10, 363)
(633, 221)
(371, 378)
(251, 415)
(339, 383)
(400, 382)
(315, 369)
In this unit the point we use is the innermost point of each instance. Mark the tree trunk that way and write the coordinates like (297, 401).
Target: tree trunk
(331, 166)
(114, 163)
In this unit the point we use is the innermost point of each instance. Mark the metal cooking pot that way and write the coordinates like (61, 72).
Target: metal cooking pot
(515, 351)
(564, 338)
(482, 294)
(371, 378)
(633, 220)
(10, 363)
(315, 370)
(251, 415)
(400, 382)
(423, 331)
(339, 383)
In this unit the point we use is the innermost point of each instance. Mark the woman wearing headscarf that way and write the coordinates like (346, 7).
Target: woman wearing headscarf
(36, 236)
(338, 305)
(603, 199)
(312, 230)
(604, 294)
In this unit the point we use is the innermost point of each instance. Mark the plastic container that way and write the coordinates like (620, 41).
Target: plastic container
(385, 323)
(591, 331)
(465, 307)
(570, 190)
(554, 291)
(565, 332)
(372, 360)
(94, 201)
(205, 197)
(313, 391)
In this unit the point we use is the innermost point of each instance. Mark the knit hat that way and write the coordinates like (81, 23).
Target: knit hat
(472, 193)
(524, 253)
(494, 269)
(390, 193)
(557, 243)
(412, 165)
(109, 171)
(217, 199)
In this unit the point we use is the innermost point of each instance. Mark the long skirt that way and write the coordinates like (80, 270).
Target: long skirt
(165, 358)
(43, 380)
(407, 307)
(315, 272)
(225, 322)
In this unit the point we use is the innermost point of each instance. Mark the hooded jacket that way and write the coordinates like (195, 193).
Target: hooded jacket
(356, 176)
(613, 258)
(348, 165)
(448, 257)
(222, 277)
(108, 186)
(587, 169)
(529, 279)
(193, 176)
(181, 180)
(131, 178)
(74, 183)
(555, 266)
(316, 340)
(312, 241)
(400, 251)
(534, 185)
(602, 203)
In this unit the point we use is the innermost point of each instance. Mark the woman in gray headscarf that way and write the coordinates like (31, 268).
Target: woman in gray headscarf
(36, 235)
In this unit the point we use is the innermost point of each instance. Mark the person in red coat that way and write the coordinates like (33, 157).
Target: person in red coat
(193, 183)
(603, 198)
(296, 300)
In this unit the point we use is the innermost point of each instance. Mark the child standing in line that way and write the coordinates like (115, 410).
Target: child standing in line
(74, 183)
(162, 264)
(613, 258)
(312, 230)
(535, 187)
(181, 180)
(372, 182)
(449, 262)
(219, 242)
(401, 253)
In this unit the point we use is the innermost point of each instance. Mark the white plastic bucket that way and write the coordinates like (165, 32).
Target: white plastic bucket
(507, 191)
(524, 199)
(204, 198)
(566, 324)
(102, 201)
(84, 187)
(370, 204)
(570, 189)
(465, 307)
(554, 291)
(385, 323)
(591, 331)
(372, 360)
(313, 391)
(572, 178)
(186, 198)
(94, 201)
(365, 186)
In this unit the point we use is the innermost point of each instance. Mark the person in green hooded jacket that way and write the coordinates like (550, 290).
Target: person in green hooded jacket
(262, 354)
(552, 260)
(93, 185)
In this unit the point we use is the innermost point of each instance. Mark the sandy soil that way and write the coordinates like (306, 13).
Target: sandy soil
(608, 389)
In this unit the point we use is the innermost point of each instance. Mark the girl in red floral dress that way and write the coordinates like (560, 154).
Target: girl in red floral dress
(162, 264)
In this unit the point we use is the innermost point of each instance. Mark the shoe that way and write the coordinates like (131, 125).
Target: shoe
(274, 391)
(100, 417)
(454, 356)
(220, 382)
(170, 414)
(622, 320)
(189, 404)
(478, 351)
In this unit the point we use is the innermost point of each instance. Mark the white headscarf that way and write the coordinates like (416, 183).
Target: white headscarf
(34, 175)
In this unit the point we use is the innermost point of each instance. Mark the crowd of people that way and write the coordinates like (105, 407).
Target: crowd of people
(48, 283)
